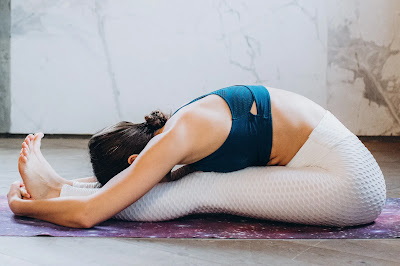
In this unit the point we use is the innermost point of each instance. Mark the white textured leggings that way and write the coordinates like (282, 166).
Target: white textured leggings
(332, 180)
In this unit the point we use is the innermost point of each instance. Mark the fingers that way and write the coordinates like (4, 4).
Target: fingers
(16, 184)
(20, 186)
(24, 192)
(14, 192)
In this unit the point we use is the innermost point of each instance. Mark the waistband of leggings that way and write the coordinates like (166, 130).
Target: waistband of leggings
(329, 131)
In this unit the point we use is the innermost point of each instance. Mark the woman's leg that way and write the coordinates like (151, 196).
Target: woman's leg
(307, 195)
(275, 193)
(332, 180)
(90, 179)
(85, 185)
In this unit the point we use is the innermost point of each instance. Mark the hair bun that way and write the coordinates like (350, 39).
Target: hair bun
(156, 120)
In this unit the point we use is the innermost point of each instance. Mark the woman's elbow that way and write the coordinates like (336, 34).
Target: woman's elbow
(85, 223)
(84, 217)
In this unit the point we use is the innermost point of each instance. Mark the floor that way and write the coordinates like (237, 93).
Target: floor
(69, 158)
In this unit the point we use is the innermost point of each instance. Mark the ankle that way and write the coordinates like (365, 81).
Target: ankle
(65, 182)
(55, 188)
(59, 182)
(53, 193)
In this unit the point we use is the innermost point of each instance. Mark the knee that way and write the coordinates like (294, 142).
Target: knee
(361, 205)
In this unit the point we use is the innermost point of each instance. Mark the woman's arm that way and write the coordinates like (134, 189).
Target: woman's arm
(63, 211)
(161, 154)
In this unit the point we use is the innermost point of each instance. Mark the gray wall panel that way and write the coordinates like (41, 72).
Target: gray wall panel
(5, 99)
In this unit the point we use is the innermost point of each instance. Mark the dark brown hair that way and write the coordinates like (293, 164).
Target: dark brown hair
(111, 147)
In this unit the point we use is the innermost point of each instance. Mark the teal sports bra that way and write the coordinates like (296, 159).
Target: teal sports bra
(250, 140)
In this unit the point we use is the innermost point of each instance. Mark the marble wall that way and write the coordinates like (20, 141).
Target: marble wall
(78, 66)
(363, 73)
(5, 102)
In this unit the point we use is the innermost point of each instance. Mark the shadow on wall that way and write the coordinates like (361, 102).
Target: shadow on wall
(5, 99)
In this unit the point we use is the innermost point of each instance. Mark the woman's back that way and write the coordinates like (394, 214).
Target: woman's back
(293, 119)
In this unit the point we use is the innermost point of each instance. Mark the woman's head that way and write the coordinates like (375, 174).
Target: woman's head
(111, 147)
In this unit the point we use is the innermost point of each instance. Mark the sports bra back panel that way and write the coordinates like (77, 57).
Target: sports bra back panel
(250, 139)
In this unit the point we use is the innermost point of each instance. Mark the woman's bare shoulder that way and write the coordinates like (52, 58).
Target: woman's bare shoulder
(188, 126)
(202, 130)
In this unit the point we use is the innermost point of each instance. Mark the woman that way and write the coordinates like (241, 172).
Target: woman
(315, 170)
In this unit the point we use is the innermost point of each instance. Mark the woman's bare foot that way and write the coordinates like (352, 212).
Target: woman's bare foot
(40, 179)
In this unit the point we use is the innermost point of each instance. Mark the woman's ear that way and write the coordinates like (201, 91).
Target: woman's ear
(132, 158)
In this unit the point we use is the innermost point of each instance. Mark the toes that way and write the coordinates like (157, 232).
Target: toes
(26, 144)
(25, 147)
(23, 159)
(38, 140)
(28, 139)
(39, 135)
(24, 152)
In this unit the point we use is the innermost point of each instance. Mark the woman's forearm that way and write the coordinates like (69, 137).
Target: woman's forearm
(71, 211)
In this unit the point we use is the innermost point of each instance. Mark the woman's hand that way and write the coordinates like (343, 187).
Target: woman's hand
(17, 193)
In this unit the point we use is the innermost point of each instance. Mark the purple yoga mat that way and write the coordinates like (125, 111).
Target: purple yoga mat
(387, 225)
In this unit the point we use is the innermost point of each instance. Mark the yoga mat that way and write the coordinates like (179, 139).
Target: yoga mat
(387, 225)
